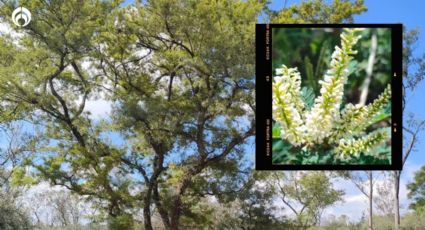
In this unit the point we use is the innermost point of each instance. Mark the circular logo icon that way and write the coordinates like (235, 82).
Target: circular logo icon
(21, 16)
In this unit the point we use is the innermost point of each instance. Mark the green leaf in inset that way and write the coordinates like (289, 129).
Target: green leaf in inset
(352, 66)
(309, 72)
(307, 95)
(280, 151)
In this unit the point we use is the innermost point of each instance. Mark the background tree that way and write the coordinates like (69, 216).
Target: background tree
(251, 207)
(417, 191)
(306, 194)
(12, 217)
(12, 150)
(383, 199)
(55, 207)
(364, 181)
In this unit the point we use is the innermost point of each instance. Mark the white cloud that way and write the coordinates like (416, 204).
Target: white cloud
(359, 198)
(354, 204)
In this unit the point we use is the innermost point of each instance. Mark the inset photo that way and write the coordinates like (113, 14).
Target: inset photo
(330, 97)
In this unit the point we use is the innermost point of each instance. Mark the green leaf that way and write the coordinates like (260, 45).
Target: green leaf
(20, 178)
(280, 151)
(322, 60)
(352, 66)
(307, 95)
(276, 131)
(281, 145)
(309, 72)
(383, 115)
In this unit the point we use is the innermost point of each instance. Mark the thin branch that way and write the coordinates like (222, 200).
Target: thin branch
(369, 70)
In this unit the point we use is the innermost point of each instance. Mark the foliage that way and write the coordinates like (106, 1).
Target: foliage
(317, 133)
(253, 207)
(409, 221)
(412, 221)
(340, 223)
(319, 11)
(413, 65)
(12, 216)
(416, 190)
(306, 195)
(124, 221)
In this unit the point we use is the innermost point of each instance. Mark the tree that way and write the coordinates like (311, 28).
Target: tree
(12, 217)
(417, 191)
(12, 214)
(306, 194)
(54, 207)
(179, 90)
(180, 77)
(384, 193)
(251, 207)
(365, 184)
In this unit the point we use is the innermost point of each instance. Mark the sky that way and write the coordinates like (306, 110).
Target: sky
(410, 13)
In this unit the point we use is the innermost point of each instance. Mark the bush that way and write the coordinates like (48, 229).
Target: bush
(413, 221)
(11, 216)
(124, 221)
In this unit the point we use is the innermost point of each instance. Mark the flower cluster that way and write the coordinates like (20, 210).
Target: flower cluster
(287, 104)
(355, 118)
(324, 122)
(319, 121)
(364, 144)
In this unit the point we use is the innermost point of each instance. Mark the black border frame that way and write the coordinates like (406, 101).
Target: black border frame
(263, 95)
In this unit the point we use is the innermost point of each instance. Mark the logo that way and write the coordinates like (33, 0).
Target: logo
(21, 16)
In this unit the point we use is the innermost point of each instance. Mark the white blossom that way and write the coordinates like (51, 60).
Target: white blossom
(364, 144)
(287, 104)
(325, 122)
(325, 111)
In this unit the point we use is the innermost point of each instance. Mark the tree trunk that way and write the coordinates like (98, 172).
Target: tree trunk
(370, 200)
(163, 213)
(177, 203)
(396, 200)
(147, 209)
